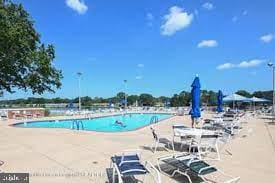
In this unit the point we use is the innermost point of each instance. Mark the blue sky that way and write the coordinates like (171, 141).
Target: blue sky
(157, 45)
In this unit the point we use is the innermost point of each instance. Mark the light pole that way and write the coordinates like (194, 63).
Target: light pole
(79, 74)
(271, 65)
(125, 95)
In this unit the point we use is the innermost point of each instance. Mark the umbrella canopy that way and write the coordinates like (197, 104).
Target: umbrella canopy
(255, 99)
(220, 101)
(235, 97)
(196, 94)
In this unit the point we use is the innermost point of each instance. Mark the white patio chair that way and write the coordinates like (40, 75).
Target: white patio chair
(205, 144)
(160, 140)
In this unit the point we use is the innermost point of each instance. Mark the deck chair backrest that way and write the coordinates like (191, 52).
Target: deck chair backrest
(128, 153)
(209, 139)
(155, 136)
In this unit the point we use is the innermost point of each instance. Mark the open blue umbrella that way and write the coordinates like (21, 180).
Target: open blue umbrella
(220, 101)
(196, 95)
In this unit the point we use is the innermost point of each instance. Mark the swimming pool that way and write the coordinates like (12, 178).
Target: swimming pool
(116, 123)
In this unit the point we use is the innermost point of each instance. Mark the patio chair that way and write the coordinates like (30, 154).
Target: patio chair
(184, 140)
(3, 116)
(205, 144)
(159, 140)
(185, 164)
(128, 164)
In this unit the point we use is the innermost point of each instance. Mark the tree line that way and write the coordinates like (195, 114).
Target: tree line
(208, 97)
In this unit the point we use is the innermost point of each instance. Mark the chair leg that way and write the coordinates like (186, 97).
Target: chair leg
(218, 152)
(113, 176)
(156, 146)
(199, 151)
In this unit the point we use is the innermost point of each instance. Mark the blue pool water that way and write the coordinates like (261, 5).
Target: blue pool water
(102, 124)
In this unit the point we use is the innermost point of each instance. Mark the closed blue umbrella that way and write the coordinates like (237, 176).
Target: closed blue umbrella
(110, 103)
(220, 101)
(71, 106)
(196, 95)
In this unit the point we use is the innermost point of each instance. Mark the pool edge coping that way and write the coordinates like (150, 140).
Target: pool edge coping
(108, 132)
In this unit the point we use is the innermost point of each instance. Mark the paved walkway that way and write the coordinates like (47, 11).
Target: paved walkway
(60, 155)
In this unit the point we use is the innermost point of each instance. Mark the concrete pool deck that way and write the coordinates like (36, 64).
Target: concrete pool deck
(60, 155)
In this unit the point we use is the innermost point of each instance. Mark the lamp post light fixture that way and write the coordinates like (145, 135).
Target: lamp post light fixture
(271, 65)
(125, 95)
(79, 74)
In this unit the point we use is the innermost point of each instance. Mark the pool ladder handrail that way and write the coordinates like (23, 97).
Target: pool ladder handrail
(77, 124)
(154, 119)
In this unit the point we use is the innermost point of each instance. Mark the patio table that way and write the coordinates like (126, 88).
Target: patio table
(182, 131)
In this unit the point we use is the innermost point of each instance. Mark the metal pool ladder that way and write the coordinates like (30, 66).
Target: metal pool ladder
(154, 119)
(77, 124)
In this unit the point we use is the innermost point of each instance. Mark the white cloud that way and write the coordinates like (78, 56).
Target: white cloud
(251, 63)
(244, 13)
(243, 64)
(196, 12)
(267, 38)
(225, 66)
(78, 5)
(140, 65)
(176, 20)
(208, 6)
(139, 77)
(235, 19)
(149, 16)
(91, 58)
(207, 43)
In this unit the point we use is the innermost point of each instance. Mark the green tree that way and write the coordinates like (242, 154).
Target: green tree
(25, 62)
(243, 93)
(264, 94)
(185, 98)
(132, 99)
(163, 99)
(86, 101)
(212, 98)
(175, 100)
(120, 96)
(146, 100)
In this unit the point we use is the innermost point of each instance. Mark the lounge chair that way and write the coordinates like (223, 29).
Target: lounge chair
(128, 164)
(186, 163)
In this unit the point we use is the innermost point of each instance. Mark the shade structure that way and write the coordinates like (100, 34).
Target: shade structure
(256, 99)
(195, 94)
(220, 101)
(235, 97)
